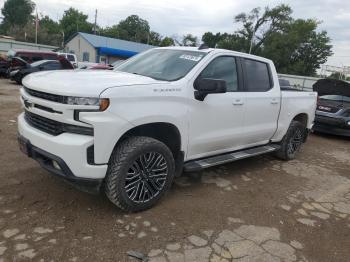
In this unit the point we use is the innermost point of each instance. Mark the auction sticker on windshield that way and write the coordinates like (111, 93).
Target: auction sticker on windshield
(191, 57)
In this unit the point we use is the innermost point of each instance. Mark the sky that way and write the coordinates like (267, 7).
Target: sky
(179, 17)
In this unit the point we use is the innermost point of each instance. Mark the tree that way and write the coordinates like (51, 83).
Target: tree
(295, 45)
(300, 49)
(212, 40)
(74, 21)
(154, 38)
(189, 40)
(110, 31)
(17, 13)
(257, 27)
(167, 41)
(233, 42)
(134, 28)
(50, 32)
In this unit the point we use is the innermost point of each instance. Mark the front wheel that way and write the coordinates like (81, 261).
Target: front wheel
(141, 170)
(18, 78)
(292, 141)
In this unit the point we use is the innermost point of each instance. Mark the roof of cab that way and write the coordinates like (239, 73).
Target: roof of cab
(216, 50)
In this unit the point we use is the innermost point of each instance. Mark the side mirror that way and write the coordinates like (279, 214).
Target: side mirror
(205, 86)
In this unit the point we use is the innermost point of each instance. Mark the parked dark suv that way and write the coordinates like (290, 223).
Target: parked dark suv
(3, 66)
(333, 107)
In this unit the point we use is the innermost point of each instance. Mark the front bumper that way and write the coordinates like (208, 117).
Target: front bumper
(331, 125)
(329, 129)
(55, 165)
(70, 149)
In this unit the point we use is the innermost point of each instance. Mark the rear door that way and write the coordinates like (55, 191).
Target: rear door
(263, 98)
(216, 124)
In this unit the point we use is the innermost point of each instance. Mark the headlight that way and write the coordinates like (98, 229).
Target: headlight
(86, 101)
(103, 103)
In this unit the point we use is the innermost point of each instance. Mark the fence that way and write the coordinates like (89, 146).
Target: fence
(303, 83)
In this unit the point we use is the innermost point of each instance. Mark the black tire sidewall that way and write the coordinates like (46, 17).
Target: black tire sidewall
(155, 146)
(291, 131)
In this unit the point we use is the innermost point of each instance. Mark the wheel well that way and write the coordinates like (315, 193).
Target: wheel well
(164, 132)
(302, 118)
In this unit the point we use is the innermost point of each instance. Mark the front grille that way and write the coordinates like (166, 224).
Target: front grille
(46, 96)
(53, 127)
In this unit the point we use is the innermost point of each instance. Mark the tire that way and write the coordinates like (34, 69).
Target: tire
(18, 79)
(140, 171)
(292, 141)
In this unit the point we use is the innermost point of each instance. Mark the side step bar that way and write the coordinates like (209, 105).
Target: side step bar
(197, 165)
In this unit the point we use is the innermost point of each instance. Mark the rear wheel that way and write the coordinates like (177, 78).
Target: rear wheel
(141, 170)
(292, 141)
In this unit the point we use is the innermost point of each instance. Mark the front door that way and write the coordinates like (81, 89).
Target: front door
(216, 124)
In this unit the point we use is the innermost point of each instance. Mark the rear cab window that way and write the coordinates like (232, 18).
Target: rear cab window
(257, 76)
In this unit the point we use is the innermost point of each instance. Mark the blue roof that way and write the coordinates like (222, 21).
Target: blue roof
(113, 43)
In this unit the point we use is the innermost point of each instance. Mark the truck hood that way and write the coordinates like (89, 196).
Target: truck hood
(82, 82)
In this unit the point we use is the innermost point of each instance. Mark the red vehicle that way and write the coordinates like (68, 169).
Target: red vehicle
(29, 56)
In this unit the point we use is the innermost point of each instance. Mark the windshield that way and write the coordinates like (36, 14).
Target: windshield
(336, 98)
(162, 64)
(117, 63)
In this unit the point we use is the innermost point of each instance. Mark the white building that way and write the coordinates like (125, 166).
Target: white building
(101, 49)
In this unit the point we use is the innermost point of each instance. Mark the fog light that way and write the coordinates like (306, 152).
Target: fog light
(56, 165)
(348, 123)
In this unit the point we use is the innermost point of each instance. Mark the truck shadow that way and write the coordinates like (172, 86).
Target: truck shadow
(331, 137)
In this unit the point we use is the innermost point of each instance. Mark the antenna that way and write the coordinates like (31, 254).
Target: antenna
(36, 26)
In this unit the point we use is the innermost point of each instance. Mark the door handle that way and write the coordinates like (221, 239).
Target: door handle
(274, 101)
(238, 102)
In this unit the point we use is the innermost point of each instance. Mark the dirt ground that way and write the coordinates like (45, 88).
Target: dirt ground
(258, 209)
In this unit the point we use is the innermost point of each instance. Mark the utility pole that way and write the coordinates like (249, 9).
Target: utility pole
(36, 27)
(95, 26)
(63, 39)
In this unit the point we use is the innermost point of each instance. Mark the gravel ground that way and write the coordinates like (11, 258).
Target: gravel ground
(258, 209)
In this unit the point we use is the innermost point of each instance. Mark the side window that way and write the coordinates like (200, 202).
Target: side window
(224, 68)
(70, 58)
(36, 58)
(86, 57)
(52, 66)
(25, 58)
(257, 75)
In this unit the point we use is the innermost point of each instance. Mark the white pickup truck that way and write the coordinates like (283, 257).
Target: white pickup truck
(130, 131)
